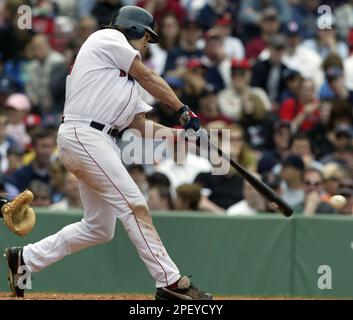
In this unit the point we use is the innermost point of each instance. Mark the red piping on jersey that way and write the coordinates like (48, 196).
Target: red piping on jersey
(125, 105)
(165, 274)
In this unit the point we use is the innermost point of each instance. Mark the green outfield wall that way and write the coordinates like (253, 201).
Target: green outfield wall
(267, 255)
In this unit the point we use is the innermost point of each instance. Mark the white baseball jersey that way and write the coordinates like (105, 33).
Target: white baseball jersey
(99, 87)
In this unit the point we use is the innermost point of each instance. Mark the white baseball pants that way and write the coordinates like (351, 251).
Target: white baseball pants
(107, 192)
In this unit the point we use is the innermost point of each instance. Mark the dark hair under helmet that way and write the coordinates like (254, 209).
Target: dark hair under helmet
(134, 21)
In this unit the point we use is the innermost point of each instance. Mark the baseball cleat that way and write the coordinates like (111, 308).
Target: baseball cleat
(15, 261)
(183, 289)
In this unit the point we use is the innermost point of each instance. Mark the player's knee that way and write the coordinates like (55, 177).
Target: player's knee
(105, 236)
(142, 213)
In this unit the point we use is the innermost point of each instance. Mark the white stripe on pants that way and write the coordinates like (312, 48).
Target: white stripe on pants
(107, 191)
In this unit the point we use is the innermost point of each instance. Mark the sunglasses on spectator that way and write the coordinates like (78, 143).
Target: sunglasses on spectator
(313, 183)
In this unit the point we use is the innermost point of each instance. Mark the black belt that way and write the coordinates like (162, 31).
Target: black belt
(114, 132)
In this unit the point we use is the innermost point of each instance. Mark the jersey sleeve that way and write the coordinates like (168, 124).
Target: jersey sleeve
(116, 50)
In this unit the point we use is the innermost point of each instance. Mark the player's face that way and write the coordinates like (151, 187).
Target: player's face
(141, 44)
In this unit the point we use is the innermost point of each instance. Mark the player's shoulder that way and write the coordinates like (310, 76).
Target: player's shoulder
(108, 35)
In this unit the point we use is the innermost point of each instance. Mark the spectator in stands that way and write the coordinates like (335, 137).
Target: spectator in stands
(269, 26)
(138, 174)
(293, 80)
(208, 108)
(342, 141)
(251, 11)
(178, 57)
(336, 81)
(298, 57)
(274, 182)
(333, 174)
(316, 200)
(39, 70)
(233, 47)
(212, 11)
(158, 179)
(13, 40)
(14, 158)
(221, 191)
(6, 143)
(256, 122)
(169, 32)
(41, 194)
(230, 100)
(18, 107)
(293, 184)
(58, 74)
(344, 19)
(348, 66)
(182, 166)
(305, 13)
(43, 144)
(188, 197)
(57, 173)
(281, 141)
(302, 112)
(194, 82)
(332, 62)
(104, 10)
(252, 203)
(300, 145)
(319, 135)
(326, 42)
(86, 26)
(159, 198)
(71, 195)
(216, 61)
(268, 74)
(159, 8)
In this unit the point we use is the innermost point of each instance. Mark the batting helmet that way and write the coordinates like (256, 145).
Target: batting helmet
(134, 22)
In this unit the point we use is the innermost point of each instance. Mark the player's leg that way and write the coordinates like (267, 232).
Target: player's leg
(108, 177)
(97, 226)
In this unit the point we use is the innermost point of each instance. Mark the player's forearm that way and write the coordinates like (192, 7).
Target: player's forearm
(150, 129)
(158, 87)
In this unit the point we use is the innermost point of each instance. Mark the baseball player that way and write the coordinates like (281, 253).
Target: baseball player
(102, 99)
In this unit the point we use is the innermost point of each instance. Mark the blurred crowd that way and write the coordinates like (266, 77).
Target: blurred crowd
(267, 70)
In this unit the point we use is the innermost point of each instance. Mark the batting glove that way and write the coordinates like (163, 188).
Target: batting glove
(188, 119)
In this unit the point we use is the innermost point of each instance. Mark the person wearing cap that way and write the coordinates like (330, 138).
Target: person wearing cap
(269, 26)
(268, 74)
(280, 147)
(233, 47)
(231, 99)
(326, 42)
(18, 106)
(293, 184)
